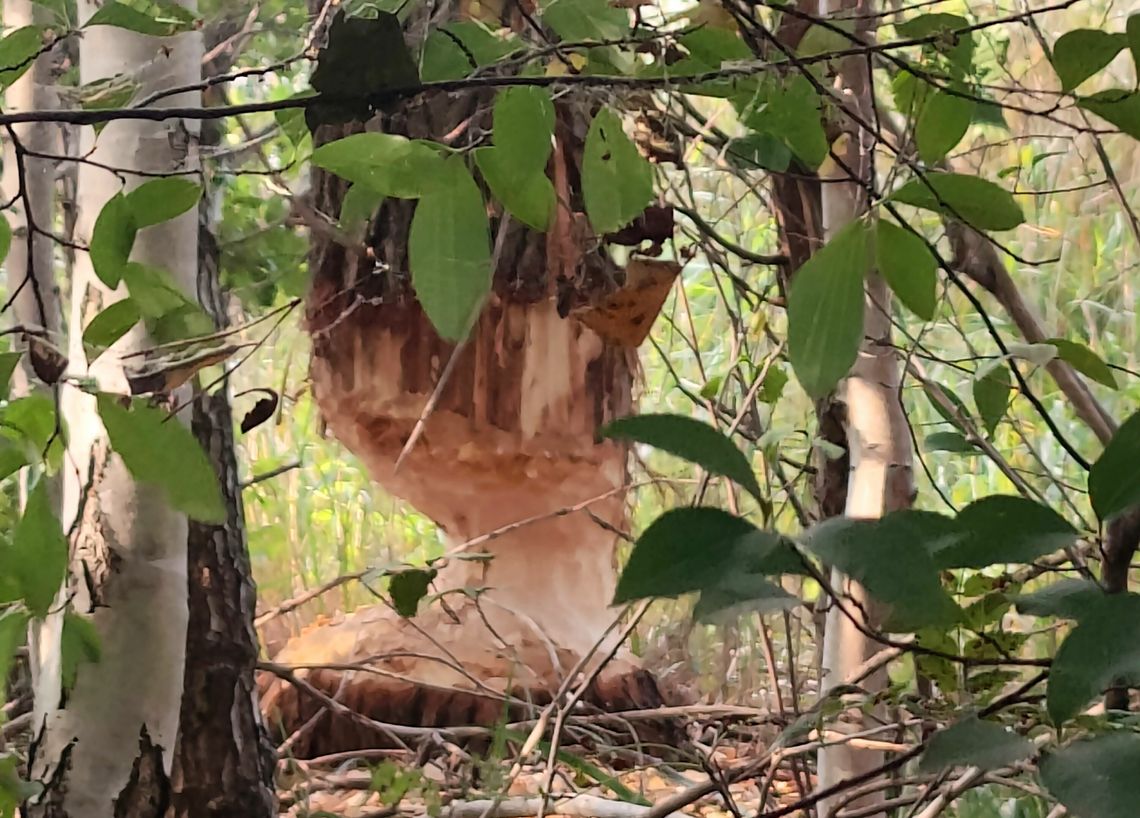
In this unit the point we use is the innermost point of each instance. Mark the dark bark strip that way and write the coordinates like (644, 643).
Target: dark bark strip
(147, 793)
(224, 763)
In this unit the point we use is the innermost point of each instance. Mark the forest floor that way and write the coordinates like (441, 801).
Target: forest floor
(729, 775)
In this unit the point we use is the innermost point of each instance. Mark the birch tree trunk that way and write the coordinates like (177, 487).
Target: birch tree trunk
(106, 749)
(880, 478)
(29, 183)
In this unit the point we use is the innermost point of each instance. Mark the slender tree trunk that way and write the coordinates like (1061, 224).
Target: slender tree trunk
(29, 183)
(878, 443)
(224, 763)
(107, 748)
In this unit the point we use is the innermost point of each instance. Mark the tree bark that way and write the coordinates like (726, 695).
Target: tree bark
(106, 748)
(224, 763)
(879, 447)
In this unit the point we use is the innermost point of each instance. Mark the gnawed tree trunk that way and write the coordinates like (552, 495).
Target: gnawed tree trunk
(878, 440)
(511, 439)
(106, 748)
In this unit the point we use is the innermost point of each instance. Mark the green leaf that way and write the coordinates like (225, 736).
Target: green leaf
(1132, 35)
(617, 181)
(683, 550)
(528, 195)
(952, 41)
(825, 311)
(358, 207)
(13, 633)
(973, 199)
(1095, 778)
(523, 127)
(792, 113)
(949, 442)
(79, 644)
(1003, 529)
(38, 555)
(586, 20)
(1103, 647)
(160, 200)
(363, 57)
(1067, 599)
(1114, 480)
(449, 50)
(388, 164)
(112, 240)
(1085, 361)
(882, 556)
(18, 50)
(8, 363)
(1121, 108)
(160, 450)
(1080, 53)
(973, 742)
(943, 122)
(5, 237)
(111, 324)
(31, 422)
(991, 396)
(712, 46)
(904, 260)
(690, 439)
(740, 593)
(408, 587)
(158, 18)
(758, 151)
(168, 313)
(449, 252)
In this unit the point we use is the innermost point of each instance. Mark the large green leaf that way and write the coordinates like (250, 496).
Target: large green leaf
(1104, 647)
(793, 113)
(825, 311)
(523, 126)
(1114, 480)
(112, 239)
(158, 18)
(1068, 599)
(5, 237)
(691, 439)
(586, 20)
(991, 396)
(13, 631)
(886, 556)
(1085, 361)
(1003, 529)
(527, 194)
(362, 57)
(38, 554)
(79, 644)
(449, 252)
(169, 315)
(160, 200)
(952, 39)
(1121, 108)
(758, 151)
(18, 51)
(1096, 778)
(449, 50)
(161, 451)
(904, 260)
(1080, 53)
(975, 743)
(683, 550)
(112, 323)
(8, 363)
(739, 593)
(617, 181)
(973, 199)
(943, 122)
(1132, 34)
(388, 164)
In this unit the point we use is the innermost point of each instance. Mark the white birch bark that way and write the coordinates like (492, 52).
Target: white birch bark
(880, 478)
(106, 748)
